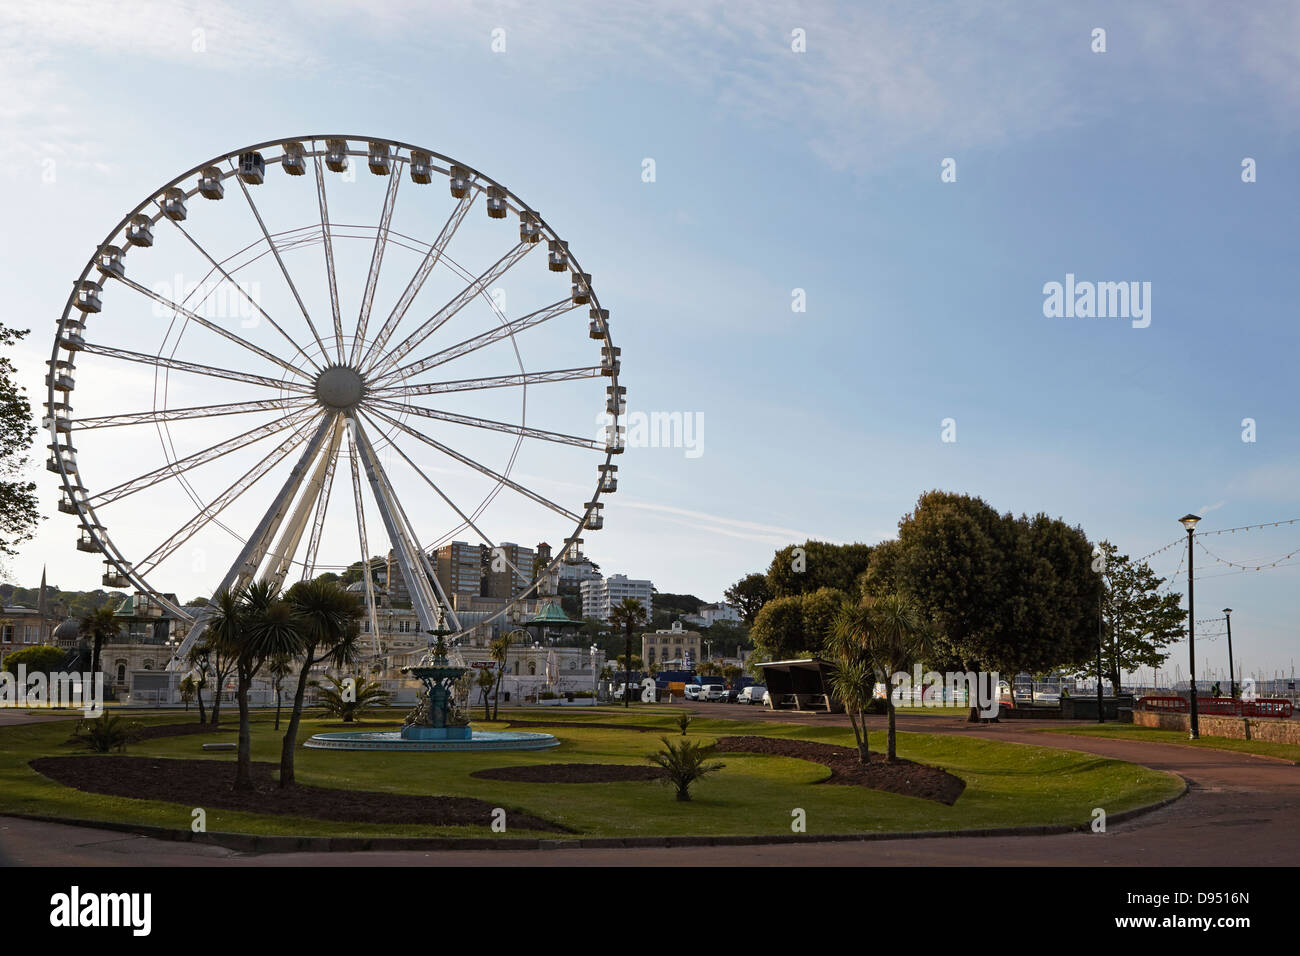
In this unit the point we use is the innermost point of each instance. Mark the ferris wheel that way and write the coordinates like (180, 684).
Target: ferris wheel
(249, 337)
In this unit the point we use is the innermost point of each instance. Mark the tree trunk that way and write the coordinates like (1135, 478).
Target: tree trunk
(244, 758)
(94, 657)
(496, 691)
(627, 672)
(198, 693)
(277, 706)
(892, 752)
(290, 744)
(216, 704)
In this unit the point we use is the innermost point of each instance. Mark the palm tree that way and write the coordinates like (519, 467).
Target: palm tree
(628, 614)
(486, 681)
(330, 619)
(279, 671)
(350, 707)
(683, 764)
(202, 664)
(499, 650)
(900, 638)
(876, 636)
(99, 625)
(253, 625)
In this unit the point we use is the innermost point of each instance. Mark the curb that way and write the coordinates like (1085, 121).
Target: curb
(254, 843)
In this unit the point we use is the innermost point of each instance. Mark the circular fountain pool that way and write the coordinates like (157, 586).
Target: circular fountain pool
(393, 740)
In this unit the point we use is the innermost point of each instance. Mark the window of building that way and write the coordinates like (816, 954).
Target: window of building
(8, 633)
(403, 627)
(532, 668)
(121, 673)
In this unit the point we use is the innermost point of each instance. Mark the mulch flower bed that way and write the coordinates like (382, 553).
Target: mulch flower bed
(904, 777)
(154, 731)
(206, 783)
(570, 773)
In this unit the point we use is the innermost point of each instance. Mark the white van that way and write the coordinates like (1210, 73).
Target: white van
(753, 694)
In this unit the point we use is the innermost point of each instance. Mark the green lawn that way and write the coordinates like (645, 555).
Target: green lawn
(1159, 736)
(1007, 784)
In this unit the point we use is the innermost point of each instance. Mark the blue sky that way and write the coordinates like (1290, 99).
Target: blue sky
(776, 171)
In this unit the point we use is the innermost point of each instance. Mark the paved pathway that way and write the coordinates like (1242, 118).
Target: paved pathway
(1241, 810)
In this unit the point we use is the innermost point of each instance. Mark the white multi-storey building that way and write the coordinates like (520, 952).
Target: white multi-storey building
(599, 595)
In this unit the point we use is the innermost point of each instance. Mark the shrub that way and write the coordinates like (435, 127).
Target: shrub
(683, 764)
(683, 722)
(39, 660)
(547, 695)
(104, 734)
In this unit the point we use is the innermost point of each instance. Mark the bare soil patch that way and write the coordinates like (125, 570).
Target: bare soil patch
(904, 777)
(207, 783)
(570, 773)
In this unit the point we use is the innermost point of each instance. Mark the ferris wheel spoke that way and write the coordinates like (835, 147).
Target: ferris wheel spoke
(194, 411)
(376, 258)
(468, 521)
(240, 289)
(476, 342)
(481, 469)
(413, 287)
(190, 462)
(491, 425)
(439, 318)
(207, 324)
(280, 262)
(495, 381)
(229, 496)
(327, 240)
(159, 361)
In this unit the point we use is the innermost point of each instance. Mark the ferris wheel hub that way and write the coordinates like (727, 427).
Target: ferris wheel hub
(340, 387)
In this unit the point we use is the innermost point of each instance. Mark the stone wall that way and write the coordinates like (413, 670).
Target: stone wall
(1241, 728)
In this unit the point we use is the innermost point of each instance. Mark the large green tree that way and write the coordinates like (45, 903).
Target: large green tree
(1002, 593)
(803, 568)
(797, 624)
(748, 595)
(18, 511)
(1141, 621)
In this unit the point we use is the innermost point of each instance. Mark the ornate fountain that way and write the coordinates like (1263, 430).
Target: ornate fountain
(437, 723)
(436, 716)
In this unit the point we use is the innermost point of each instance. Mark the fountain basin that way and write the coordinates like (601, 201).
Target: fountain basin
(397, 740)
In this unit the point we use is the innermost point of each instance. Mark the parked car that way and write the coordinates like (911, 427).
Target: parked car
(692, 691)
(753, 694)
(712, 692)
(730, 695)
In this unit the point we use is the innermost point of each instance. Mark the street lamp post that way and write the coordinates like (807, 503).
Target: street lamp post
(1232, 674)
(1189, 522)
(595, 677)
(1101, 712)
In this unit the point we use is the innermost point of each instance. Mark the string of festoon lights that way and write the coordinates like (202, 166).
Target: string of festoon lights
(1253, 566)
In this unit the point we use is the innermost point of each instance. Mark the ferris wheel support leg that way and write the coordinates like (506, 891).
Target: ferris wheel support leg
(283, 554)
(250, 558)
(437, 596)
(425, 607)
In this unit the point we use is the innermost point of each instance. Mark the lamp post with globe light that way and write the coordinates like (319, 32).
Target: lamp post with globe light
(1189, 522)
